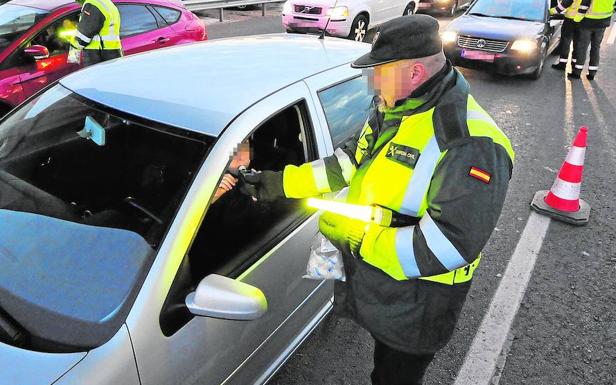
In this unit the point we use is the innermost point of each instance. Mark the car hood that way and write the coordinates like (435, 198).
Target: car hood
(19, 366)
(318, 3)
(495, 28)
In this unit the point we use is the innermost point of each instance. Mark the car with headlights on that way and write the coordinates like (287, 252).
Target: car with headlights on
(34, 39)
(343, 18)
(118, 268)
(447, 7)
(511, 37)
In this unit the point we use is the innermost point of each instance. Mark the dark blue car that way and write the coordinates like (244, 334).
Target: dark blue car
(512, 37)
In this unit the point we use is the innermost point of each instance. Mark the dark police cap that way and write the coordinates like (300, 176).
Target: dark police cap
(405, 37)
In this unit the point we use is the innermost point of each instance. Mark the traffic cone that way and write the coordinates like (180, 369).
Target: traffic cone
(563, 201)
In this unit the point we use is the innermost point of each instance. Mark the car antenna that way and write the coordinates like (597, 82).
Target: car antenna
(322, 35)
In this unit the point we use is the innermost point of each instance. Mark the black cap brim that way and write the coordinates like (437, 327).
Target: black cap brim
(366, 61)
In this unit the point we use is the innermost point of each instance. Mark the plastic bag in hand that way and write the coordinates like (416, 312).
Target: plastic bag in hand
(325, 261)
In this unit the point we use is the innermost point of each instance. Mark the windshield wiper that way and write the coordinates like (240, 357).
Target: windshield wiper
(512, 18)
(11, 331)
(479, 14)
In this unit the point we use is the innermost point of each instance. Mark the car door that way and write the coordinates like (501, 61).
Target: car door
(553, 31)
(142, 29)
(173, 347)
(36, 74)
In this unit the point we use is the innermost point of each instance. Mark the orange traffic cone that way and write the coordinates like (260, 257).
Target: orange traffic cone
(563, 201)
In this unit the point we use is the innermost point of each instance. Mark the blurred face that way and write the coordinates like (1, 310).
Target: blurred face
(241, 157)
(395, 81)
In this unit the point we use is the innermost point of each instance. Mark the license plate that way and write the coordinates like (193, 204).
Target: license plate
(477, 55)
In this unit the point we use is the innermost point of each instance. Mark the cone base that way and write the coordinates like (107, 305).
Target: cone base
(578, 218)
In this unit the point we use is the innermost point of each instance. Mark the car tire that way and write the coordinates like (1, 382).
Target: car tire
(359, 28)
(537, 73)
(453, 9)
(410, 9)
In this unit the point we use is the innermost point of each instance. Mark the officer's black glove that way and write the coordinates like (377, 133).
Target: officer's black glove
(344, 233)
(265, 186)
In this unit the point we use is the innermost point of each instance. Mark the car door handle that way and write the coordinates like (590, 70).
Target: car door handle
(162, 40)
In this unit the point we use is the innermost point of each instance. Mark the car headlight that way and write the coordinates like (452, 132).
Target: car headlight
(524, 45)
(338, 12)
(287, 8)
(449, 37)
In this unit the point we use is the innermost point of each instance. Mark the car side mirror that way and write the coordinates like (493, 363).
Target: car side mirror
(38, 52)
(226, 298)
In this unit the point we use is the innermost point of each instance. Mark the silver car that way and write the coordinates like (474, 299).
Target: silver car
(115, 265)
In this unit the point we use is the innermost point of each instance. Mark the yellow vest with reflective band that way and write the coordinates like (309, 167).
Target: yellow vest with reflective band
(408, 195)
(573, 9)
(405, 194)
(600, 9)
(109, 36)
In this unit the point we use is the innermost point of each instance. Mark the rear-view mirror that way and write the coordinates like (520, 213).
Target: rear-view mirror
(37, 52)
(93, 130)
(226, 298)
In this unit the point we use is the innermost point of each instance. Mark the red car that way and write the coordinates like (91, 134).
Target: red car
(34, 48)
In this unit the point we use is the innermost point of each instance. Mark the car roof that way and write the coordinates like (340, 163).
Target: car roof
(50, 5)
(203, 86)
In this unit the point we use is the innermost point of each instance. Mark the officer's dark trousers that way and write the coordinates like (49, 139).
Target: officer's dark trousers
(392, 367)
(567, 35)
(94, 56)
(586, 36)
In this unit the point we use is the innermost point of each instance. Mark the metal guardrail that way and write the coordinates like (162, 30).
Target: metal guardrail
(202, 5)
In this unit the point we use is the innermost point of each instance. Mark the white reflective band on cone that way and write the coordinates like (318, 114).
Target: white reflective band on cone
(576, 156)
(579, 66)
(593, 68)
(566, 190)
(561, 60)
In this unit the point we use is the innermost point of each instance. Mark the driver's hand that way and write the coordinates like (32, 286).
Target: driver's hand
(227, 183)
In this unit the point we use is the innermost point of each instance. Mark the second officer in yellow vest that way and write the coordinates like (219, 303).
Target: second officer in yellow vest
(573, 10)
(591, 29)
(98, 32)
(431, 154)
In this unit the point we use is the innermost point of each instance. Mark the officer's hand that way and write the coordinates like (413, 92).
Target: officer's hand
(265, 186)
(344, 233)
(553, 11)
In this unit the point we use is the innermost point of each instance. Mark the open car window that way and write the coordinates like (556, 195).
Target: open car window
(90, 177)
(236, 230)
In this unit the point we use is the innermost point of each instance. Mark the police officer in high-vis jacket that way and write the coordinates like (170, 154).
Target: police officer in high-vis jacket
(592, 27)
(98, 32)
(432, 155)
(574, 12)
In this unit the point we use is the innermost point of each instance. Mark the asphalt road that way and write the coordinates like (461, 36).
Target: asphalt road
(565, 329)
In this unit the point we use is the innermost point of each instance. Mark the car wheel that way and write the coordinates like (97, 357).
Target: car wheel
(410, 9)
(359, 28)
(537, 73)
(453, 9)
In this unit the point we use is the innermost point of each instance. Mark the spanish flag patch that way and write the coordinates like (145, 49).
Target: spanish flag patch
(478, 173)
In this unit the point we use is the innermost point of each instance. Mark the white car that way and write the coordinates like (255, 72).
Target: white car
(343, 18)
(116, 267)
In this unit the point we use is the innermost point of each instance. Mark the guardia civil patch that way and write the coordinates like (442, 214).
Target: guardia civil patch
(405, 155)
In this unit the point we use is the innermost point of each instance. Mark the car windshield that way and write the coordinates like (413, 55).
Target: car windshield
(532, 10)
(15, 20)
(86, 196)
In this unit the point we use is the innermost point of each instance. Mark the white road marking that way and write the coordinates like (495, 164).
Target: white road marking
(483, 355)
(612, 37)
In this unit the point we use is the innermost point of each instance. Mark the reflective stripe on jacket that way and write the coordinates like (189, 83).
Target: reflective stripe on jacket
(108, 38)
(406, 166)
